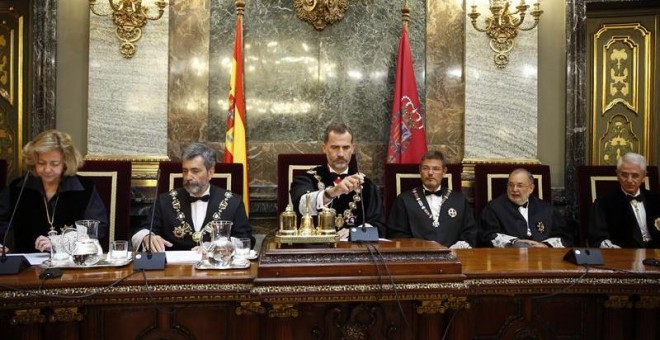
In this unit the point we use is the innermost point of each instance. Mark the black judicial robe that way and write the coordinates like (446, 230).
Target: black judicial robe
(170, 222)
(76, 199)
(612, 217)
(373, 205)
(456, 219)
(502, 216)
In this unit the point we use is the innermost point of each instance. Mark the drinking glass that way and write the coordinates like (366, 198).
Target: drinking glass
(118, 250)
(242, 250)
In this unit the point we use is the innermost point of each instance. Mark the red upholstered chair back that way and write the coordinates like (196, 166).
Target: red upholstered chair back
(227, 175)
(113, 183)
(402, 177)
(3, 173)
(598, 180)
(490, 181)
(290, 165)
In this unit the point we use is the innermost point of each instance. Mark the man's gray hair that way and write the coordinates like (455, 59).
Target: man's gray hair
(632, 158)
(198, 149)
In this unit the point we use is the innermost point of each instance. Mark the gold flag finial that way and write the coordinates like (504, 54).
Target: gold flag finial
(405, 14)
(240, 7)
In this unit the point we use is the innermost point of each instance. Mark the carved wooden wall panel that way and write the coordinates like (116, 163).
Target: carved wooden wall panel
(14, 54)
(623, 105)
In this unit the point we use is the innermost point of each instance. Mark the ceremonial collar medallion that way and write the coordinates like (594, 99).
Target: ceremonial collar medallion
(184, 227)
(435, 219)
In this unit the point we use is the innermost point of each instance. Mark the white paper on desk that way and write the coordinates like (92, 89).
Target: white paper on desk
(182, 256)
(35, 259)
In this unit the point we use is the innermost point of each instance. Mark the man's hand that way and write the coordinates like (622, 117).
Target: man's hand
(348, 184)
(158, 243)
(42, 243)
(343, 234)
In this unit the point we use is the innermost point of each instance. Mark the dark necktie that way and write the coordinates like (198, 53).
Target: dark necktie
(204, 198)
(524, 205)
(437, 192)
(637, 198)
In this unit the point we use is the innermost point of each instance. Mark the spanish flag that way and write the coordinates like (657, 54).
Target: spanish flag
(235, 139)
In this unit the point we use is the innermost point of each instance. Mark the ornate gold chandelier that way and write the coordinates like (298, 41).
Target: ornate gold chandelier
(502, 26)
(129, 16)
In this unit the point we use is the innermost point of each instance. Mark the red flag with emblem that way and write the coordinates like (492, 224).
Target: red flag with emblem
(407, 141)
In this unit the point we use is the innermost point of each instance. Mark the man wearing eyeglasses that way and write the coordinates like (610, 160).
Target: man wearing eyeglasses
(431, 211)
(629, 217)
(518, 219)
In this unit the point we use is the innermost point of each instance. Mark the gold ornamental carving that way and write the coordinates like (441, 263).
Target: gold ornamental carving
(621, 56)
(432, 307)
(69, 314)
(129, 16)
(283, 311)
(250, 308)
(618, 302)
(7, 58)
(320, 13)
(648, 302)
(618, 139)
(27, 317)
(443, 304)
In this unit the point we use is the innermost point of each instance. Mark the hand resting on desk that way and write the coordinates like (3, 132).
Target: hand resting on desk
(155, 243)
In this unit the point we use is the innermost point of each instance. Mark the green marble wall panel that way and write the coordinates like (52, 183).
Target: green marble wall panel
(298, 79)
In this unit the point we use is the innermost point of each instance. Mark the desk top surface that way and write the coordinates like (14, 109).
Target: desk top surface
(476, 263)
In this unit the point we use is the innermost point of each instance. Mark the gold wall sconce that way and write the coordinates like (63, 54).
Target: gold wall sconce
(502, 26)
(129, 16)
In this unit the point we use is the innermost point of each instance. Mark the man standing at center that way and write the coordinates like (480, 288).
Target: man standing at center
(335, 186)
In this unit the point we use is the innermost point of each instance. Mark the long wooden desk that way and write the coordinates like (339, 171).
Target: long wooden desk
(339, 293)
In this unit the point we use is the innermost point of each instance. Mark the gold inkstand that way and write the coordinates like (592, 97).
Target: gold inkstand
(290, 234)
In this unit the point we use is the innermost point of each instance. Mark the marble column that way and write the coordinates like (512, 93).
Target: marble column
(44, 38)
(128, 97)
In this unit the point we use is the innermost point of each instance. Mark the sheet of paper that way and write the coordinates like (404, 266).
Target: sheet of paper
(182, 256)
(36, 259)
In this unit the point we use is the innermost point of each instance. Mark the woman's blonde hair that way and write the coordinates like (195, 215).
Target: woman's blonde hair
(53, 140)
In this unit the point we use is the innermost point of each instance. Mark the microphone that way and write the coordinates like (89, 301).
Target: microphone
(148, 260)
(16, 263)
(363, 234)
